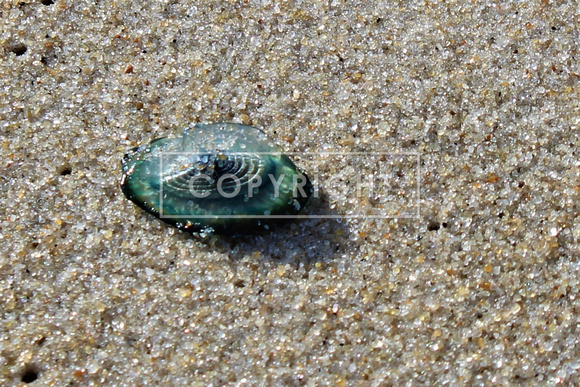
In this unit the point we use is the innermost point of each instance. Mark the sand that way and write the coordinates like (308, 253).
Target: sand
(478, 286)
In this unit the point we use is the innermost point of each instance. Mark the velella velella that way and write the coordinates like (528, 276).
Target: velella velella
(222, 178)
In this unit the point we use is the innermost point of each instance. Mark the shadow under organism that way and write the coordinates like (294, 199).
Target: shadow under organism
(307, 240)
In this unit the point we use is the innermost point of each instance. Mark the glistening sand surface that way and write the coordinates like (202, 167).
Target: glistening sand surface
(481, 288)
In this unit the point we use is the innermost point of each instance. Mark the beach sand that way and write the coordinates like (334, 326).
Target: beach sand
(471, 279)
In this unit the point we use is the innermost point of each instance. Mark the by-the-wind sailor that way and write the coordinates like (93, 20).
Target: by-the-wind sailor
(218, 177)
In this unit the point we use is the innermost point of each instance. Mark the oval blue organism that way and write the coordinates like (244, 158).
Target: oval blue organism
(224, 178)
